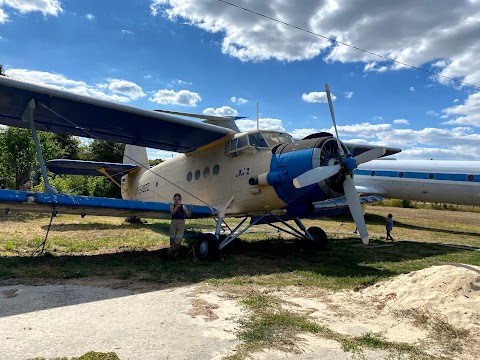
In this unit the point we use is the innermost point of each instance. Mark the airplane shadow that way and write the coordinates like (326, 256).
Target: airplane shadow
(378, 219)
(241, 260)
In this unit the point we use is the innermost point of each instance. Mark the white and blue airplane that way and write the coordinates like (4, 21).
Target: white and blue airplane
(435, 181)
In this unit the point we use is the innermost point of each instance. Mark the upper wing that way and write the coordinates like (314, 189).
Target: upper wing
(66, 113)
(89, 205)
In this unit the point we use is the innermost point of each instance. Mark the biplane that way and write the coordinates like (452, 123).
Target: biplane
(262, 176)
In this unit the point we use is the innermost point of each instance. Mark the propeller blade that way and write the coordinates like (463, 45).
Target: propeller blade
(315, 175)
(330, 104)
(355, 207)
(370, 155)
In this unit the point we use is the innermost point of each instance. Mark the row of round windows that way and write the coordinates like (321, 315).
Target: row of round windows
(206, 173)
(430, 176)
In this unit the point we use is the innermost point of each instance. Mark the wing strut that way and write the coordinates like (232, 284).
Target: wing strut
(27, 117)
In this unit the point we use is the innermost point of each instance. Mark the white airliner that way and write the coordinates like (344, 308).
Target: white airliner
(437, 181)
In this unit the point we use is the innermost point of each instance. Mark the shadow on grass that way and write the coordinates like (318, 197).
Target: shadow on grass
(267, 262)
(378, 219)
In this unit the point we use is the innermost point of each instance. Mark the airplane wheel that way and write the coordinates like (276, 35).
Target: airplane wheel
(321, 239)
(207, 248)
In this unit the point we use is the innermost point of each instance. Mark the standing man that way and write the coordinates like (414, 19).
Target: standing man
(177, 225)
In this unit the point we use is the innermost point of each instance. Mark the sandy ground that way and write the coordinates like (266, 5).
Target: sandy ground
(199, 322)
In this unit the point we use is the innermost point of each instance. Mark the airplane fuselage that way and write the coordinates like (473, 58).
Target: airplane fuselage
(252, 172)
(437, 181)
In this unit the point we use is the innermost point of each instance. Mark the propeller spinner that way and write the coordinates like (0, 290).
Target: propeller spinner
(346, 165)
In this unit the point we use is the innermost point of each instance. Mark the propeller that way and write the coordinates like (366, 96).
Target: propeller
(347, 164)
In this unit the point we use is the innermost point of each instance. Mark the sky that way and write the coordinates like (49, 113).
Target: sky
(206, 56)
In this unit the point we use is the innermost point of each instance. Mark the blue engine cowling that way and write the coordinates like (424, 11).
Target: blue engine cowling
(293, 159)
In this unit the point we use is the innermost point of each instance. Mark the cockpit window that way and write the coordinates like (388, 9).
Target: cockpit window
(257, 140)
(277, 138)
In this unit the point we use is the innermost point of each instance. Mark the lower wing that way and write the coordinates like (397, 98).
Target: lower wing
(28, 201)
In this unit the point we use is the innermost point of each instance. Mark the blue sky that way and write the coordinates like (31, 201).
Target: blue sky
(209, 57)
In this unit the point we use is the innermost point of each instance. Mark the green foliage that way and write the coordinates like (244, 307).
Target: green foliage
(107, 151)
(2, 71)
(155, 162)
(398, 203)
(19, 158)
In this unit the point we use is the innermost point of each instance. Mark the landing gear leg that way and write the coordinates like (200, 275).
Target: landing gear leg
(314, 236)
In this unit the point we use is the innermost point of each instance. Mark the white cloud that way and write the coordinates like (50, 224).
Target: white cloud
(372, 67)
(116, 90)
(171, 97)
(264, 123)
(3, 16)
(182, 82)
(221, 111)
(317, 97)
(90, 17)
(46, 7)
(154, 154)
(412, 88)
(450, 38)
(349, 94)
(456, 143)
(456, 100)
(469, 112)
(401, 121)
(431, 113)
(128, 32)
(127, 88)
(239, 101)
(301, 133)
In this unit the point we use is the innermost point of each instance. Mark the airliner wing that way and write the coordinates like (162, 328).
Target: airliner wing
(28, 201)
(67, 113)
(369, 190)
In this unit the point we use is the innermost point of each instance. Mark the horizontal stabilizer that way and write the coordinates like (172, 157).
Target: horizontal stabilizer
(88, 168)
(27, 201)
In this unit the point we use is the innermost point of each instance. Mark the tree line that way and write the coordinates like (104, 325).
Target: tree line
(20, 170)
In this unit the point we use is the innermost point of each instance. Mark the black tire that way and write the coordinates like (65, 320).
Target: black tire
(320, 238)
(207, 248)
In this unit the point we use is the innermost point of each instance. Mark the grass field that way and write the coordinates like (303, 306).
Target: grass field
(109, 249)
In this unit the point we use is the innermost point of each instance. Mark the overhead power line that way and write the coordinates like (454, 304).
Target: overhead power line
(350, 46)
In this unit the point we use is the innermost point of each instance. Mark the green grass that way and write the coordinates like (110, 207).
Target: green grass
(88, 356)
(108, 248)
(270, 325)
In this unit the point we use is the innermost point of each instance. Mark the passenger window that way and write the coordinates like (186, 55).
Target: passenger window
(216, 170)
(197, 174)
(206, 172)
(189, 176)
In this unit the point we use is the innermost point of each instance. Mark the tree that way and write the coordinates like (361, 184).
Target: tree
(105, 151)
(18, 156)
(2, 71)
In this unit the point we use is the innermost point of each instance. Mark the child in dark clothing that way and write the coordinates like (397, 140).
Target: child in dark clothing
(389, 227)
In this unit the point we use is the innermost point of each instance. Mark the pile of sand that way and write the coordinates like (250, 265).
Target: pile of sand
(451, 290)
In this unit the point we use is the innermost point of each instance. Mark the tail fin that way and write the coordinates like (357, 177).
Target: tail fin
(135, 155)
